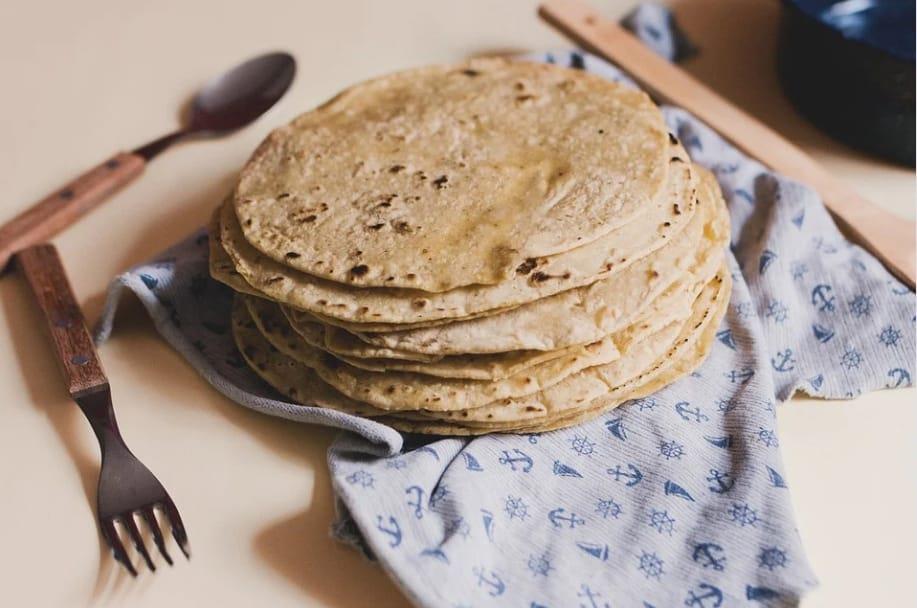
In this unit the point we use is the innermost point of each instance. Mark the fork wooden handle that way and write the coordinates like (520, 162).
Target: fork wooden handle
(76, 353)
(884, 234)
(55, 212)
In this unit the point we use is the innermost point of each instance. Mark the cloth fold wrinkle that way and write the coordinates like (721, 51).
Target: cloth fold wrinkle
(678, 498)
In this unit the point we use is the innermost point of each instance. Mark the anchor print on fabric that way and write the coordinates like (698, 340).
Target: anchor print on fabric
(784, 361)
(740, 376)
(390, 528)
(415, 500)
(683, 408)
(705, 596)
(899, 377)
(822, 298)
(710, 555)
(631, 475)
(723, 482)
(559, 518)
(592, 598)
(489, 580)
(518, 460)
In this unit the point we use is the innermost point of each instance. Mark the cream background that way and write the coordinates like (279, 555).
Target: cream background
(84, 79)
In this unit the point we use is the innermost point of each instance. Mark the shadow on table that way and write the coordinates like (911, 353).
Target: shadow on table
(300, 547)
(302, 550)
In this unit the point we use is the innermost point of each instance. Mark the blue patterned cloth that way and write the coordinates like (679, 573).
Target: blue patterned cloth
(675, 499)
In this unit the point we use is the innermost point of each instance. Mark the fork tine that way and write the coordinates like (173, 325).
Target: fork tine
(178, 529)
(114, 541)
(127, 520)
(150, 517)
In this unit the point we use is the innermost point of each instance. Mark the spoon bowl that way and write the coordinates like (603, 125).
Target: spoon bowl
(238, 97)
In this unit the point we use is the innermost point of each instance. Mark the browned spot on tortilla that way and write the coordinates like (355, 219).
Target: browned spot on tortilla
(359, 270)
(527, 266)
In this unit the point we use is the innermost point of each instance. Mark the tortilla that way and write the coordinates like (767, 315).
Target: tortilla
(378, 309)
(387, 184)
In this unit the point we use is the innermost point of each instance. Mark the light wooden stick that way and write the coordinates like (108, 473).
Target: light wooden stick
(887, 236)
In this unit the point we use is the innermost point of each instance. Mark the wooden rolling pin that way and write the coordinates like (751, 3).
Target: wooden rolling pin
(885, 235)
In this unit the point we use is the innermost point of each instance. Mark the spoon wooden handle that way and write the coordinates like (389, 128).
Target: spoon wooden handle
(884, 234)
(55, 212)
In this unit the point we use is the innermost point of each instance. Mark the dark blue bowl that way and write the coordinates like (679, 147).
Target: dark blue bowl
(848, 66)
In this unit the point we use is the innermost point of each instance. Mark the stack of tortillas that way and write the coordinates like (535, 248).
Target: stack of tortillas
(495, 246)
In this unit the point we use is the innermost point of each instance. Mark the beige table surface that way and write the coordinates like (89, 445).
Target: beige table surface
(84, 79)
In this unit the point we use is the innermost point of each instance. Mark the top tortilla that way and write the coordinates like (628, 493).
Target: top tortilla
(379, 309)
(447, 176)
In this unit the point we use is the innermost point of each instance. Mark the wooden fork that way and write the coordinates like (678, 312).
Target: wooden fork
(126, 487)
